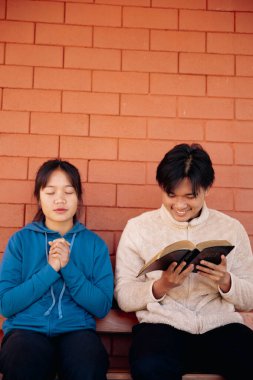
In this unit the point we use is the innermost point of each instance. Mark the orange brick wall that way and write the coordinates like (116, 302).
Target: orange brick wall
(111, 85)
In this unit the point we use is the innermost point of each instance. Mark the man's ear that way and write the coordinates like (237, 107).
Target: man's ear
(207, 191)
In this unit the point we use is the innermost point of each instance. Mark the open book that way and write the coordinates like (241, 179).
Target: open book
(185, 250)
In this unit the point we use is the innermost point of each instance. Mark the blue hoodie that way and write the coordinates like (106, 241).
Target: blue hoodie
(34, 296)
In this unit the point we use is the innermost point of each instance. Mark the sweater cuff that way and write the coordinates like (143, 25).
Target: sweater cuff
(231, 290)
(152, 295)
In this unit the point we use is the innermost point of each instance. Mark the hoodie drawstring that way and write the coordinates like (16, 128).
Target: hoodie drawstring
(64, 285)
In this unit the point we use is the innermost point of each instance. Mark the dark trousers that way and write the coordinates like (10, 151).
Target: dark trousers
(161, 352)
(29, 355)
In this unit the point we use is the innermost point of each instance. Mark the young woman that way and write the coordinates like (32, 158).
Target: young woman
(188, 321)
(55, 278)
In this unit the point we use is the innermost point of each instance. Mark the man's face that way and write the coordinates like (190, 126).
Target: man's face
(182, 204)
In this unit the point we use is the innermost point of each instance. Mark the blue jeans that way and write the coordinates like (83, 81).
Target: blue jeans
(29, 355)
(161, 352)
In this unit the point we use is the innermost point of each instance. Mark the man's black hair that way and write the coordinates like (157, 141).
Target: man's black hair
(185, 161)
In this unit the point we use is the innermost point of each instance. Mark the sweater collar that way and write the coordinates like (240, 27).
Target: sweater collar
(167, 218)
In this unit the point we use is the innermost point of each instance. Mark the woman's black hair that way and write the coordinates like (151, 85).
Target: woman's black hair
(185, 161)
(42, 177)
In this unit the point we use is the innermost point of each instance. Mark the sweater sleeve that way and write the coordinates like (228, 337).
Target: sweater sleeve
(132, 293)
(16, 294)
(241, 271)
(94, 295)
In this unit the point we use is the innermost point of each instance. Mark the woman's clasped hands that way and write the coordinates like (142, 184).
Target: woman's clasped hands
(58, 256)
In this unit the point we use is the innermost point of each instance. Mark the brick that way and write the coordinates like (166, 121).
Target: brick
(142, 150)
(230, 131)
(15, 191)
(116, 172)
(92, 14)
(35, 163)
(143, 3)
(121, 38)
(245, 219)
(150, 61)
(230, 5)
(5, 235)
(65, 35)
(207, 108)
(229, 43)
(172, 84)
(30, 212)
(187, 4)
(219, 153)
(13, 167)
(171, 129)
(18, 32)
(2, 9)
(203, 63)
(243, 154)
(34, 55)
(230, 87)
(16, 77)
(178, 41)
(244, 109)
(97, 59)
(243, 200)
(11, 215)
(117, 126)
(35, 11)
(150, 18)
(234, 176)
(88, 147)
(14, 122)
(105, 104)
(1, 53)
(109, 218)
(120, 82)
(244, 66)
(220, 199)
(59, 124)
(28, 145)
(244, 22)
(96, 194)
(62, 79)
(139, 196)
(108, 237)
(206, 21)
(31, 100)
(148, 105)
(151, 170)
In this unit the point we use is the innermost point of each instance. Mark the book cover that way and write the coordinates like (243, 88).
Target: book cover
(185, 250)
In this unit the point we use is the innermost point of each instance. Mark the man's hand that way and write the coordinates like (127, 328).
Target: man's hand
(174, 276)
(217, 273)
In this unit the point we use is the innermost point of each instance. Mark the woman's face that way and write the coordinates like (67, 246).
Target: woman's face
(59, 201)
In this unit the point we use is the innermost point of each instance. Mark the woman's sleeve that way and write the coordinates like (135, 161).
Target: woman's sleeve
(16, 294)
(95, 294)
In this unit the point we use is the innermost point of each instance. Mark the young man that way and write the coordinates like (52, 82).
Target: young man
(188, 321)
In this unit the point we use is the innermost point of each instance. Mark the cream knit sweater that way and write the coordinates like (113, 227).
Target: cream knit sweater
(197, 305)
